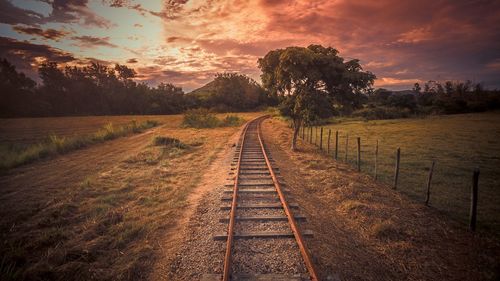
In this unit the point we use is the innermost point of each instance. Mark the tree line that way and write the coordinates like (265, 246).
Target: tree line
(97, 89)
(450, 97)
(308, 84)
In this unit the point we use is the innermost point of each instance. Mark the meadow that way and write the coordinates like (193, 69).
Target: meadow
(458, 144)
(24, 140)
(33, 130)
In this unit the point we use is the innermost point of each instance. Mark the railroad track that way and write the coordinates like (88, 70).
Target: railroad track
(263, 241)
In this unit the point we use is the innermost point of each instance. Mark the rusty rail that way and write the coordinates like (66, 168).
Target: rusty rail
(284, 204)
(230, 231)
(291, 220)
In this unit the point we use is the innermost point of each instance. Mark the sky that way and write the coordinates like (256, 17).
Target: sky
(186, 42)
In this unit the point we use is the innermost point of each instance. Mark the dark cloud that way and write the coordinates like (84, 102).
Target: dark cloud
(424, 39)
(91, 41)
(89, 60)
(132, 60)
(11, 14)
(137, 7)
(63, 11)
(118, 3)
(188, 80)
(75, 11)
(172, 39)
(27, 56)
(50, 33)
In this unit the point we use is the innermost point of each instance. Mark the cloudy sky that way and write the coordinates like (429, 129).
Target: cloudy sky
(186, 42)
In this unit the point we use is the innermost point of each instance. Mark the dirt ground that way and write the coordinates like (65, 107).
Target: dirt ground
(366, 231)
(106, 212)
(127, 210)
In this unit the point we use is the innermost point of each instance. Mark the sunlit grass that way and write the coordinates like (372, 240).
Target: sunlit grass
(16, 155)
(203, 118)
(458, 144)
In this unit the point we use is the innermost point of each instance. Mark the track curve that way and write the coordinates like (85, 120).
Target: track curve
(262, 227)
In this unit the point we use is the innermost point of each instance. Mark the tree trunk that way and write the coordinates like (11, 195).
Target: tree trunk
(296, 130)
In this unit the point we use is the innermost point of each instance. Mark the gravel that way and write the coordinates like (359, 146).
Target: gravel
(201, 254)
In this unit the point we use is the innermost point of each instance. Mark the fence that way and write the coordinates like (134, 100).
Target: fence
(368, 160)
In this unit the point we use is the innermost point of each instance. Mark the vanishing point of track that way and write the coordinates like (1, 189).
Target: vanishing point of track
(257, 187)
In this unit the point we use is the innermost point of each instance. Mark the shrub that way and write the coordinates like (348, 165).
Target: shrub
(382, 112)
(200, 118)
(231, 121)
(168, 141)
(204, 118)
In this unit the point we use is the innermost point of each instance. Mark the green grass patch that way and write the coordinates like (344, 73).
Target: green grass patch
(458, 144)
(204, 118)
(15, 155)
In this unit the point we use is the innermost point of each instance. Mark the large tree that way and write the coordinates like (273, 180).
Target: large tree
(311, 80)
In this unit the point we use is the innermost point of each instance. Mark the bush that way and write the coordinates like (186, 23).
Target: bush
(204, 118)
(200, 118)
(382, 112)
(168, 141)
(231, 121)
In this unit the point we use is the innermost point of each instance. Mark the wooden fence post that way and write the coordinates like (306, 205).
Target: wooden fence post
(346, 146)
(396, 171)
(321, 139)
(310, 134)
(376, 160)
(316, 135)
(428, 196)
(473, 203)
(303, 128)
(328, 146)
(336, 144)
(359, 154)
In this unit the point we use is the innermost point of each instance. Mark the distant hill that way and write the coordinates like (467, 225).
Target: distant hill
(404, 92)
(204, 91)
(230, 91)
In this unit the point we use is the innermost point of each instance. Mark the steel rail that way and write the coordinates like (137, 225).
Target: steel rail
(291, 220)
(230, 231)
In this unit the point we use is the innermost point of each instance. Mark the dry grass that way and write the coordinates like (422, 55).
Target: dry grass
(101, 220)
(458, 144)
(33, 130)
(15, 155)
(364, 230)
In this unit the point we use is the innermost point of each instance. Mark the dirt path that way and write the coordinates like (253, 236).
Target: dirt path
(189, 250)
(49, 176)
(366, 231)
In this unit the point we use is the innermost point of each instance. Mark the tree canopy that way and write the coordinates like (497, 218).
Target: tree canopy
(312, 82)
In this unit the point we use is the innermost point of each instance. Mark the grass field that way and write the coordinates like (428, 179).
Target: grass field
(101, 213)
(458, 144)
(32, 130)
(24, 140)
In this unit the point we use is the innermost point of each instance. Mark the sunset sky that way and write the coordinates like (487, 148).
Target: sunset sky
(186, 42)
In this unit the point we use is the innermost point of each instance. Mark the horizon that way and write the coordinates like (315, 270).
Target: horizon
(187, 42)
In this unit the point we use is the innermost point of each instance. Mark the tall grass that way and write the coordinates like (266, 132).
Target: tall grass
(458, 144)
(204, 118)
(13, 155)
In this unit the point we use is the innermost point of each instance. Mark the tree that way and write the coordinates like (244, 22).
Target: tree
(417, 88)
(235, 91)
(16, 91)
(303, 76)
